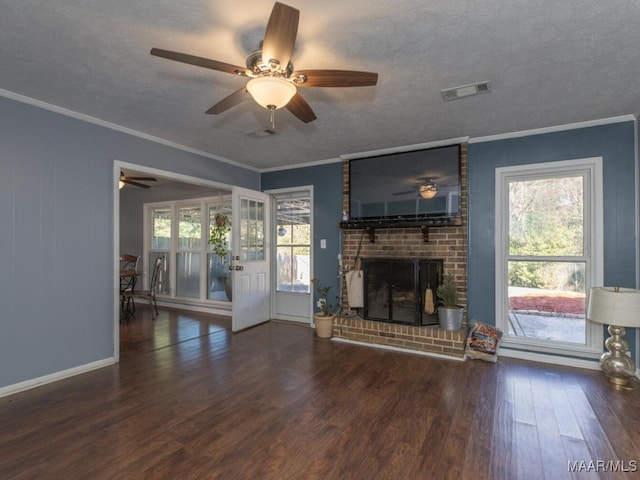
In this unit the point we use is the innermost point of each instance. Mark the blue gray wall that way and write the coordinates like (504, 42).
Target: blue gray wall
(615, 143)
(56, 239)
(327, 214)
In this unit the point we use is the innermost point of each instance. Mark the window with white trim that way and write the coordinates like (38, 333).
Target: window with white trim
(549, 254)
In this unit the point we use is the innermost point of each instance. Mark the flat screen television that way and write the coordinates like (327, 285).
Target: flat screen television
(416, 186)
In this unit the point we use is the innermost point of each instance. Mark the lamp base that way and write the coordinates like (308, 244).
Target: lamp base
(616, 364)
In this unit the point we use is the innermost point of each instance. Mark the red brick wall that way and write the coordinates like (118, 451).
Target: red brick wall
(448, 243)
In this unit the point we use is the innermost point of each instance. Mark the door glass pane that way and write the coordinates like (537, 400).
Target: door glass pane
(252, 230)
(285, 267)
(189, 228)
(161, 229)
(293, 241)
(188, 274)
(546, 217)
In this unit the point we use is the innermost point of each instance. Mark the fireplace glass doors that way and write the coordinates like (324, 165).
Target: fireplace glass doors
(396, 290)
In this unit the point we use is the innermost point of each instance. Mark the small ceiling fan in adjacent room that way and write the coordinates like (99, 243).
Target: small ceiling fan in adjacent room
(273, 81)
(135, 181)
(427, 188)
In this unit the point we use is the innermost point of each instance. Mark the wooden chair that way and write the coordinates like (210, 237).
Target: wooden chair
(150, 294)
(128, 277)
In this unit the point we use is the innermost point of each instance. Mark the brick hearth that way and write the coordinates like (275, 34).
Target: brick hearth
(424, 339)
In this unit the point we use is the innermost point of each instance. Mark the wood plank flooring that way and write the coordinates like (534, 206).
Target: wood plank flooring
(191, 400)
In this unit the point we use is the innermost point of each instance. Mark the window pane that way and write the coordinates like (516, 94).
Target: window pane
(189, 228)
(284, 235)
(547, 300)
(163, 281)
(546, 217)
(219, 229)
(188, 274)
(217, 279)
(302, 234)
(161, 229)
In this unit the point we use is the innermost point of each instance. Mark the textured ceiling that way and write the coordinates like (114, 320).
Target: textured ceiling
(550, 63)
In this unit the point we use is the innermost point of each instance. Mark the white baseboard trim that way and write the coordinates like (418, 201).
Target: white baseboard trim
(54, 377)
(398, 349)
(553, 359)
(191, 307)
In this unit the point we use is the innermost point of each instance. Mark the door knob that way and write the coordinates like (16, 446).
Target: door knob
(239, 267)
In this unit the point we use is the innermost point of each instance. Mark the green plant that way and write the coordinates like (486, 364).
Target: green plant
(447, 292)
(218, 236)
(323, 304)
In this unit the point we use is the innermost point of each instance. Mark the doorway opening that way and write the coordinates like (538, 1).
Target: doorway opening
(129, 222)
(292, 264)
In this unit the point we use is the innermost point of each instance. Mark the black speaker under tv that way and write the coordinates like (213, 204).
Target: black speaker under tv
(419, 186)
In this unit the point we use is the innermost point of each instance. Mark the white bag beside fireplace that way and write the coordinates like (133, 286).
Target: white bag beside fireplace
(355, 286)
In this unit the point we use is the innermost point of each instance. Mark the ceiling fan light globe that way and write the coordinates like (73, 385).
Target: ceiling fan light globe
(271, 91)
(428, 191)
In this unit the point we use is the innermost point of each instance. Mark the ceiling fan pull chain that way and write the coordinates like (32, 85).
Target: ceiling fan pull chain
(273, 117)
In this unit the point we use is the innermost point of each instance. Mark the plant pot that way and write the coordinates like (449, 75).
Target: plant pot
(450, 318)
(324, 325)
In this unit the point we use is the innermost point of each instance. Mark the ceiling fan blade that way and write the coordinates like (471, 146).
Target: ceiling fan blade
(131, 182)
(200, 61)
(335, 78)
(405, 192)
(280, 35)
(301, 109)
(228, 102)
(144, 179)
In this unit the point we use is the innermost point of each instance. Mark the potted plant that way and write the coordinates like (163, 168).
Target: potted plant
(220, 246)
(324, 318)
(449, 312)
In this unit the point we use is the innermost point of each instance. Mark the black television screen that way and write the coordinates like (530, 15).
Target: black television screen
(405, 186)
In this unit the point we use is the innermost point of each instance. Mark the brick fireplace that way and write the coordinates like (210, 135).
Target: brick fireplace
(447, 243)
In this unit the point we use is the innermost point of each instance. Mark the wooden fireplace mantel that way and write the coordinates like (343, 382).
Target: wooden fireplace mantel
(370, 226)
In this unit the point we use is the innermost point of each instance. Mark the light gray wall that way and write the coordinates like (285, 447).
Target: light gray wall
(56, 239)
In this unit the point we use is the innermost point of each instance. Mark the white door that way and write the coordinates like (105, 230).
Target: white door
(291, 296)
(250, 258)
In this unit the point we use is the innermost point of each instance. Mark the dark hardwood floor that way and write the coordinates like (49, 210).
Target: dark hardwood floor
(191, 400)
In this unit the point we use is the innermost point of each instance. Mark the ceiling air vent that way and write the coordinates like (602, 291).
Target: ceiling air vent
(465, 91)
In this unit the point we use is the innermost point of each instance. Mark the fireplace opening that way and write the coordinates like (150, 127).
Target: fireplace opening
(395, 289)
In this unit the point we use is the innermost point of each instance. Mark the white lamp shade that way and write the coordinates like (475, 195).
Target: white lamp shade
(271, 91)
(611, 307)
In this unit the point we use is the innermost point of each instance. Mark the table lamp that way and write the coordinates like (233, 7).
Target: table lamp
(618, 308)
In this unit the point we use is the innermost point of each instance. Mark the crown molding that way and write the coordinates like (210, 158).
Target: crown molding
(557, 128)
(119, 128)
